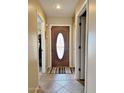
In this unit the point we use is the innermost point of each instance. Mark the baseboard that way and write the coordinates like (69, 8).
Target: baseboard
(30, 91)
(33, 90)
(36, 89)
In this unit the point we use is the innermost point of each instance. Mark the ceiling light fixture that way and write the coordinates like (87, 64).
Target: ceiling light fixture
(58, 6)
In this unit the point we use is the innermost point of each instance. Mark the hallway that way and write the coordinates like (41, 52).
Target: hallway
(60, 83)
(59, 60)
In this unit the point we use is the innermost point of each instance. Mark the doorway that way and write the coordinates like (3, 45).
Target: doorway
(40, 51)
(39, 27)
(82, 45)
(60, 46)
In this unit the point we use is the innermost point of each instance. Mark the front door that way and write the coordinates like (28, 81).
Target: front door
(60, 45)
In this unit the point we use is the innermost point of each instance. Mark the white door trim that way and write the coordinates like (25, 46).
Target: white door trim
(70, 39)
(43, 43)
(79, 13)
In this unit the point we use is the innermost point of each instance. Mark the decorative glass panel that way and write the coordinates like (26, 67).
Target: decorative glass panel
(60, 46)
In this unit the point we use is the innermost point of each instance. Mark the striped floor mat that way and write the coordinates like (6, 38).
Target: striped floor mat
(61, 70)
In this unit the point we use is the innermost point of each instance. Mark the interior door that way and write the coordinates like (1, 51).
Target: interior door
(83, 34)
(60, 45)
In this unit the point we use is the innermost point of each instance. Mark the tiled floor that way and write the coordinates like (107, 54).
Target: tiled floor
(59, 83)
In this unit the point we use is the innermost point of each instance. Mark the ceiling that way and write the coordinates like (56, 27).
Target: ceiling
(66, 10)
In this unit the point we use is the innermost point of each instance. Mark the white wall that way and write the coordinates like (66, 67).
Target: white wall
(91, 65)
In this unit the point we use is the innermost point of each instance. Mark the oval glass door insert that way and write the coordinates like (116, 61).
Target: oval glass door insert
(60, 46)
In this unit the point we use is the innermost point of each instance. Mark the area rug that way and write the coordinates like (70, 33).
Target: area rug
(61, 70)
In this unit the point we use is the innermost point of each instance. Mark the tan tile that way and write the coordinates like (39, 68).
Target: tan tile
(59, 83)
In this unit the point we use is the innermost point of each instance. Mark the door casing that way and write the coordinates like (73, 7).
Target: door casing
(65, 32)
(43, 43)
(70, 39)
(83, 8)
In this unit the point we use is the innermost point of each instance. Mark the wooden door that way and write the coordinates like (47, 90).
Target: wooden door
(64, 30)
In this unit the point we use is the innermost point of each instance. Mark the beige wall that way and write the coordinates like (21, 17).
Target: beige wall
(34, 9)
(79, 5)
(55, 20)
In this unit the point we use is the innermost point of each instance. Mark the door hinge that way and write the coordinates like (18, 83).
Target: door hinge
(79, 69)
(80, 24)
(79, 47)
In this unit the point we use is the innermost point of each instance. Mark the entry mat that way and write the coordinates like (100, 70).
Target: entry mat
(61, 70)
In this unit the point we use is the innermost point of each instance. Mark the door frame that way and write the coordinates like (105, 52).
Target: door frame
(83, 8)
(43, 43)
(39, 29)
(70, 39)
